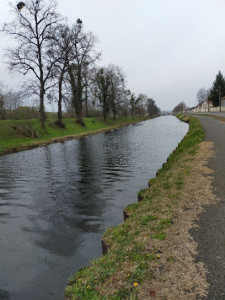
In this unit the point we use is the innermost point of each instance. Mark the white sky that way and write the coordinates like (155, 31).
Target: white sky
(168, 49)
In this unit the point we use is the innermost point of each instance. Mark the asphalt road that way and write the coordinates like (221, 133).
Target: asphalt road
(210, 235)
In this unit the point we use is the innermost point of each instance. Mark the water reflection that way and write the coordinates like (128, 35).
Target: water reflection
(56, 201)
(4, 295)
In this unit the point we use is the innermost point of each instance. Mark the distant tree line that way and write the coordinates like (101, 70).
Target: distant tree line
(213, 94)
(60, 63)
(11, 106)
(179, 108)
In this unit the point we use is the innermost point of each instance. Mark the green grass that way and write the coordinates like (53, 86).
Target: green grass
(12, 139)
(128, 264)
(220, 118)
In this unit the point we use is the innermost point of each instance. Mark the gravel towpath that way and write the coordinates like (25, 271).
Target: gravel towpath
(210, 235)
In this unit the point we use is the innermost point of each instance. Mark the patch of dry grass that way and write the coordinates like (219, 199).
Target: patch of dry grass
(176, 274)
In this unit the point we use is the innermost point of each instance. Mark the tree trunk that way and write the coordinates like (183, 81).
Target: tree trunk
(86, 102)
(80, 120)
(60, 102)
(105, 107)
(104, 115)
(114, 115)
(42, 109)
(60, 112)
(113, 105)
(77, 92)
(79, 96)
(132, 112)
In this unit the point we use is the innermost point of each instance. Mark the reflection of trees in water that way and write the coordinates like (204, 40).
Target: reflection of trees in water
(118, 152)
(10, 173)
(4, 295)
(72, 204)
(69, 185)
(89, 184)
(55, 223)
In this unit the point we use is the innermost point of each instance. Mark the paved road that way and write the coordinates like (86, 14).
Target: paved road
(210, 235)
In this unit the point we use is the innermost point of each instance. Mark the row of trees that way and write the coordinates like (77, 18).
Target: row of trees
(59, 62)
(179, 107)
(11, 105)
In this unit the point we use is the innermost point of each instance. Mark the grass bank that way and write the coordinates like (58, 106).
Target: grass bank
(220, 118)
(151, 254)
(16, 135)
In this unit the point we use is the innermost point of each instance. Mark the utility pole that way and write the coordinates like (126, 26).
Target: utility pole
(220, 97)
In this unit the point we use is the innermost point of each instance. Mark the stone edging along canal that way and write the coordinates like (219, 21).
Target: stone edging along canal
(152, 253)
(63, 139)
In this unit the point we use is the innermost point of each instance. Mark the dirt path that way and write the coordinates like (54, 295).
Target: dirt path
(210, 235)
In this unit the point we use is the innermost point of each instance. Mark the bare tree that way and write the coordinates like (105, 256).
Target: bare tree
(60, 47)
(202, 95)
(82, 59)
(32, 27)
(124, 109)
(110, 89)
(102, 89)
(89, 78)
(2, 102)
(152, 108)
(117, 88)
(134, 101)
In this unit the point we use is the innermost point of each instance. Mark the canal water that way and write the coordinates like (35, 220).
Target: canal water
(57, 201)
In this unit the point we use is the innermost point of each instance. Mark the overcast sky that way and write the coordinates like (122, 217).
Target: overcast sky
(168, 49)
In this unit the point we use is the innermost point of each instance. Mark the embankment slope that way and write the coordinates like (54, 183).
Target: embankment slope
(15, 134)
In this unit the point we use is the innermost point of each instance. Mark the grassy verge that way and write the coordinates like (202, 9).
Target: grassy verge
(220, 118)
(12, 139)
(137, 247)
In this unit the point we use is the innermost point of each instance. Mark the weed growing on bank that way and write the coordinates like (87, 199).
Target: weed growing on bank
(139, 250)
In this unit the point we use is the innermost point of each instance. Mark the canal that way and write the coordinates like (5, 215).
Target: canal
(57, 201)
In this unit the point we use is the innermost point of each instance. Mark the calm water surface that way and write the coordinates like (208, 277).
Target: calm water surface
(57, 201)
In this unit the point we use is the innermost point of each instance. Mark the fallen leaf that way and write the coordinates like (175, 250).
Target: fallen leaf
(152, 293)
